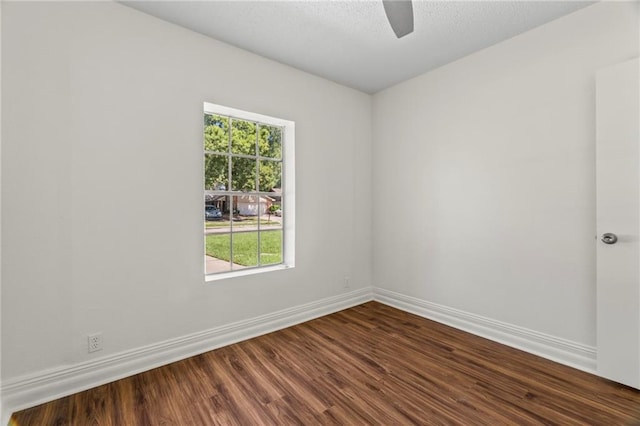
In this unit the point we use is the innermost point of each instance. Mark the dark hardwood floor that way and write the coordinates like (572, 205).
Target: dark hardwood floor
(371, 364)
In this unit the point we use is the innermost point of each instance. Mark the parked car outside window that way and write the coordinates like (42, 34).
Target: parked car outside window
(212, 213)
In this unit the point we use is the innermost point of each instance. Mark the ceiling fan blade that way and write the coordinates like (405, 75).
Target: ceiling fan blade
(400, 15)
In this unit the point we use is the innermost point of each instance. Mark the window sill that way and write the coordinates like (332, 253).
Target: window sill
(244, 272)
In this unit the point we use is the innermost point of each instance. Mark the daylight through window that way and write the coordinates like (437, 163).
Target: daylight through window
(245, 190)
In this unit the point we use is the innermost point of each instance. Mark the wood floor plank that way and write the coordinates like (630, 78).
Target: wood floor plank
(370, 364)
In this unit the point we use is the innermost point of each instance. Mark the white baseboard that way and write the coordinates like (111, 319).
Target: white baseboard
(44, 386)
(563, 351)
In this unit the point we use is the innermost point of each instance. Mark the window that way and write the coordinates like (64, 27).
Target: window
(248, 192)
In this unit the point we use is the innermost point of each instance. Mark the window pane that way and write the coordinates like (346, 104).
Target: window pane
(216, 172)
(243, 137)
(243, 174)
(271, 209)
(217, 251)
(247, 206)
(242, 229)
(270, 247)
(216, 133)
(216, 214)
(270, 144)
(245, 248)
(270, 175)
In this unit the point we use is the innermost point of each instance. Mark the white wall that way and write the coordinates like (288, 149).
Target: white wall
(487, 169)
(102, 182)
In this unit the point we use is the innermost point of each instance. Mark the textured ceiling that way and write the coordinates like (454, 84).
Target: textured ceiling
(351, 42)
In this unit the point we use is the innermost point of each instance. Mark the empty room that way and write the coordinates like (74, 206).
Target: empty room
(320, 212)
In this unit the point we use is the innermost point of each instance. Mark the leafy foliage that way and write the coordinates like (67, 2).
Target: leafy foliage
(224, 138)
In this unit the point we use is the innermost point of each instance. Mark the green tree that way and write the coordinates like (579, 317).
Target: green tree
(216, 139)
(247, 138)
(270, 146)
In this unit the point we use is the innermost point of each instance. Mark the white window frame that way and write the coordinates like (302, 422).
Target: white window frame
(288, 189)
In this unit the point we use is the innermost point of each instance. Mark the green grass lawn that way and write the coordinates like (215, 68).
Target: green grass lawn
(246, 222)
(245, 247)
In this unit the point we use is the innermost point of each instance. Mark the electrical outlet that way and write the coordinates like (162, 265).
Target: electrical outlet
(346, 282)
(95, 342)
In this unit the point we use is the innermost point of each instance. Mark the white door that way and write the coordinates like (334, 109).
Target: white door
(618, 193)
